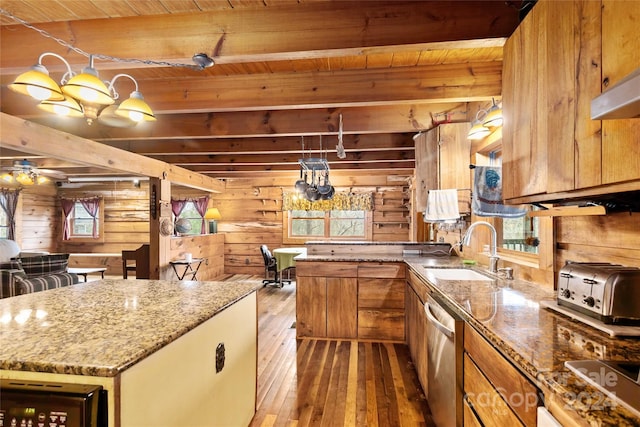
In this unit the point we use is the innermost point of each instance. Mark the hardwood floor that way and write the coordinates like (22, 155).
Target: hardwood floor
(330, 382)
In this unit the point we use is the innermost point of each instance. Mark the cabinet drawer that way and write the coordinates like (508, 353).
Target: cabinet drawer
(381, 293)
(487, 402)
(381, 325)
(513, 385)
(383, 270)
(470, 417)
(418, 286)
(326, 269)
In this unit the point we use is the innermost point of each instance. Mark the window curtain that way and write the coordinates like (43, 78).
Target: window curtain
(67, 208)
(92, 206)
(341, 201)
(9, 203)
(177, 206)
(201, 208)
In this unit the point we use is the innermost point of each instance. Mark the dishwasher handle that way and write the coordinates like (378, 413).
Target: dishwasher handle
(442, 328)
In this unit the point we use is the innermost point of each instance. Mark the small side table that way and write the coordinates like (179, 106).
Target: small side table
(84, 271)
(188, 267)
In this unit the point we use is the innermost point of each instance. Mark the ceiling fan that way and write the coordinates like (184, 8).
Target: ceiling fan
(27, 173)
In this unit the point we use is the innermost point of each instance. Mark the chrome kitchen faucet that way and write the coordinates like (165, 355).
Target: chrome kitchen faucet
(493, 254)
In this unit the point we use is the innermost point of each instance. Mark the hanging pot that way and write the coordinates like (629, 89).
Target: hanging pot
(311, 192)
(301, 184)
(329, 194)
(326, 187)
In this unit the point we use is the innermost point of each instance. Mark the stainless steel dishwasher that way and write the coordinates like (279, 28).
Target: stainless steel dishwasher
(444, 364)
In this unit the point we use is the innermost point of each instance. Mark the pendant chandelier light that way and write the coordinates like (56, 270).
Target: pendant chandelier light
(82, 95)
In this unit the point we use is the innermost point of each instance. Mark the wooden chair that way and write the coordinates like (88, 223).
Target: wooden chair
(136, 261)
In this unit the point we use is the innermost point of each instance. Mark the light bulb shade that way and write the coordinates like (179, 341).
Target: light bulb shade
(212, 213)
(24, 178)
(6, 177)
(136, 109)
(68, 107)
(478, 131)
(87, 87)
(37, 84)
(109, 117)
(493, 119)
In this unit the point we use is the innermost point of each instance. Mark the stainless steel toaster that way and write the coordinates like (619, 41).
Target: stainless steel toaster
(608, 292)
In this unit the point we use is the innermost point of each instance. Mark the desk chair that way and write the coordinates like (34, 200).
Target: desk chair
(270, 264)
(136, 261)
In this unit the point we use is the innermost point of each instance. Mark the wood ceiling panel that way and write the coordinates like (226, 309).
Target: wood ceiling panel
(284, 68)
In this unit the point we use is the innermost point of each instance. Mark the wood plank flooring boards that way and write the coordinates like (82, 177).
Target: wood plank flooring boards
(329, 382)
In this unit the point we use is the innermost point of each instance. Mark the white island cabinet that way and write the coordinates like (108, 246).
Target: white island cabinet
(167, 353)
(179, 384)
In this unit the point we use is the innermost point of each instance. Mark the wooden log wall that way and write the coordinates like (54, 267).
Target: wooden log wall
(207, 246)
(126, 216)
(251, 211)
(611, 238)
(38, 219)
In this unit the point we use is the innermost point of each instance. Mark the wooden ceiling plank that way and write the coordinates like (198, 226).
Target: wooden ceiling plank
(475, 81)
(370, 120)
(316, 30)
(277, 157)
(26, 136)
(366, 142)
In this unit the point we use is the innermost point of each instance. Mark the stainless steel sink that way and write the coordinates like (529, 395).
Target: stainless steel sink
(457, 274)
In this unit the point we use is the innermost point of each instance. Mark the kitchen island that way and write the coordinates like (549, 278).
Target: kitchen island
(151, 344)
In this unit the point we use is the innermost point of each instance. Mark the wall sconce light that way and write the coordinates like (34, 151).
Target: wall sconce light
(493, 119)
(478, 131)
(213, 215)
(485, 122)
(82, 95)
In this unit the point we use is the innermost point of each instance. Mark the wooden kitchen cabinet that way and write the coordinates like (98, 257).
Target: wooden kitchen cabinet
(553, 67)
(416, 327)
(495, 390)
(442, 160)
(350, 300)
(326, 299)
(620, 57)
(381, 289)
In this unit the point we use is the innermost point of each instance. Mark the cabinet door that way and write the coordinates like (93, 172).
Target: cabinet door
(416, 322)
(455, 152)
(342, 307)
(311, 307)
(524, 155)
(184, 384)
(620, 56)
(426, 146)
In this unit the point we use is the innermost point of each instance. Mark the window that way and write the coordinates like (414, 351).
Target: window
(334, 224)
(516, 235)
(83, 219)
(4, 225)
(190, 220)
(82, 222)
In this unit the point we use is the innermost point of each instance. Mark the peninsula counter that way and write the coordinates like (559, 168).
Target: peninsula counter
(151, 344)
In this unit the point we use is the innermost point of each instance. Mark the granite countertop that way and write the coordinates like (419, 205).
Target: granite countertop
(537, 340)
(103, 327)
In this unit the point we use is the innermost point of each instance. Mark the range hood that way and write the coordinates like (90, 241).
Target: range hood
(622, 101)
